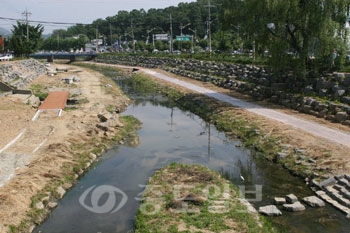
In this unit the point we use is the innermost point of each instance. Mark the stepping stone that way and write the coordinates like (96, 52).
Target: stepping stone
(314, 201)
(291, 198)
(295, 207)
(270, 210)
(279, 200)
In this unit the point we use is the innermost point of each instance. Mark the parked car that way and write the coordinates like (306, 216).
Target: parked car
(6, 57)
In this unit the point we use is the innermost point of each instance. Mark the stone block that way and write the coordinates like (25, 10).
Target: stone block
(344, 182)
(341, 116)
(295, 207)
(328, 182)
(279, 200)
(270, 210)
(314, 201)
(291, 198)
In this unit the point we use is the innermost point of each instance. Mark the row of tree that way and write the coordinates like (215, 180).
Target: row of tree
(306, 36)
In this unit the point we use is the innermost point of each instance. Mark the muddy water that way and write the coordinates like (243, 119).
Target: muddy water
(169, 134)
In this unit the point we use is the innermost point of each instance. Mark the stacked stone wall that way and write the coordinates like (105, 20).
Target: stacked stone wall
(327, 96)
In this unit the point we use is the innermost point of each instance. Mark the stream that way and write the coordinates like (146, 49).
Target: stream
(171, 134)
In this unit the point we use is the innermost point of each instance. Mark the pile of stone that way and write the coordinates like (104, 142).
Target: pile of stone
(108, 121)
(336, 191)
(19, 74)
(290, 203)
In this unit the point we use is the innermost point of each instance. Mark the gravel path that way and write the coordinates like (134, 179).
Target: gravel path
(313, 128)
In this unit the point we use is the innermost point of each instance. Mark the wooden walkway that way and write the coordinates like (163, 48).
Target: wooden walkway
(56, 100)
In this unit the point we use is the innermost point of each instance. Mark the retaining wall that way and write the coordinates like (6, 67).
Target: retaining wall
(327, 96)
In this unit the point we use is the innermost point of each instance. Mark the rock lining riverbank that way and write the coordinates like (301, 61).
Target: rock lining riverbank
(258, 82)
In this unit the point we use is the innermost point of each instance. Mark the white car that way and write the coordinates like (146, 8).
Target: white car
(6, 57)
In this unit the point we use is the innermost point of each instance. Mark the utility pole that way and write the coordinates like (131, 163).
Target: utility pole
(96, 39)
(193, 38)
(58, 41)
(26, 14)
(171, 35)
(133, 37)
(209, 29)
(110, 32)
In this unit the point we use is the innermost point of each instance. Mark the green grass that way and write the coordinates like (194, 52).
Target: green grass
(39, 91)
(199, 216)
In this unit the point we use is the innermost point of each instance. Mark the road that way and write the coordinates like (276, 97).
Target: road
(313, 128)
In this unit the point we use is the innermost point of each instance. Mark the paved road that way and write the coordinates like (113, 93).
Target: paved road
(313, 128)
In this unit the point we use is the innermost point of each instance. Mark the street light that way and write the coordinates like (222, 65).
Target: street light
(148, 32)
(182, 27)
(238, 28)
(195, 33)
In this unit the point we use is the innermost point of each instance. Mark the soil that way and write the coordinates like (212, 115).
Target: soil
(43, 145)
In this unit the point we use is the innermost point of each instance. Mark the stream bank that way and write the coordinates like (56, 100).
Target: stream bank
(171, 132)
(149, 157)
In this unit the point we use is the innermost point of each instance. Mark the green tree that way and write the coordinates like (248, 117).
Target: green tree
(26, 39)
(300, 35)
(310, 29)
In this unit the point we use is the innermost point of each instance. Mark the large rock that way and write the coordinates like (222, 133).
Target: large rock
(341, 116)
(314, 201)
(270, 210)
(295, 207)
(280, 156)
(60, 192)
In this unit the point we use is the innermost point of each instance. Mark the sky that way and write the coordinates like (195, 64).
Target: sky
(71, 11)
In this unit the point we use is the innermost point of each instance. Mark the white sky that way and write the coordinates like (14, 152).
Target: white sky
(73, 11)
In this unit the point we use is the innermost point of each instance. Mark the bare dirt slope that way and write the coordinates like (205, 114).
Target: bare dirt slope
(32, 152)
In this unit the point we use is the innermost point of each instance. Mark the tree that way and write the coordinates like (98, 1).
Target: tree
(23, 45)
(310, 29)
(300, 35)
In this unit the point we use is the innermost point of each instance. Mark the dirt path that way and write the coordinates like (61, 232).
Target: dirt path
(310, 127)
(318, 144)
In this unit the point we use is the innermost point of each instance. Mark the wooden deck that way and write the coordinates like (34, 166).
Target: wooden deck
(55, 100)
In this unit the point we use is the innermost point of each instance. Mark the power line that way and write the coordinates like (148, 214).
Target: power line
(27, 14)
(42, 22)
